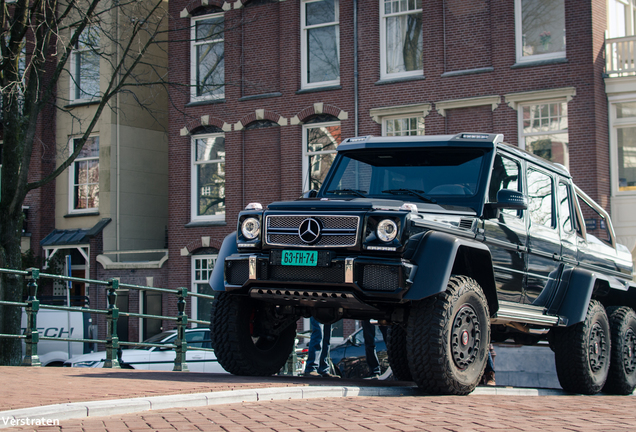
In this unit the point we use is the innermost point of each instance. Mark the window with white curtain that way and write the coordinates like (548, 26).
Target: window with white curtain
(401, 38)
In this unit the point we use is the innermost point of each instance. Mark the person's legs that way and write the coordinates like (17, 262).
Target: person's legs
(315, 342)
(323, 366)
(368, 332)
(489, 372)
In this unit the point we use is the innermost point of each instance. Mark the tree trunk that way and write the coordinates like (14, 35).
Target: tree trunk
(11, 289)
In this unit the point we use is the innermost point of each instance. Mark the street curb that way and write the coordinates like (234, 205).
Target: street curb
(133, 405)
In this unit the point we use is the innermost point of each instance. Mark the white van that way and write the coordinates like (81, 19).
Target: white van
(60, 324)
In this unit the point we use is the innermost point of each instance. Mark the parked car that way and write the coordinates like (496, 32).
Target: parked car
(449, 240)
(350, 359)
(60, 324)
(159, 358)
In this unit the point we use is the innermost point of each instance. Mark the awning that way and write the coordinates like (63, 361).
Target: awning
(74, 237)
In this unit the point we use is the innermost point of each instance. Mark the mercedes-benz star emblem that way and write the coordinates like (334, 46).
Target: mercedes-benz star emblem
(309, 231)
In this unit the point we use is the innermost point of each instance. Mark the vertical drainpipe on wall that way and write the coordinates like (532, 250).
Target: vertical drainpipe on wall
(117, 138)
(355, 65)
(242, 130)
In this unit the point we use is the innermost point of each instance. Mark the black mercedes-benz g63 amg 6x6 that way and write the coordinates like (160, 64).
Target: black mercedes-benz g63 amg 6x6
(450, 240)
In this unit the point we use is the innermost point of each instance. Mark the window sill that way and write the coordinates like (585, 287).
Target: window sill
(72, 215)
(319, 89)
(546, 62)
(260, 96)
(400, 79)
(81, 103)
(467, 72)
(205, 102)
(199, 224)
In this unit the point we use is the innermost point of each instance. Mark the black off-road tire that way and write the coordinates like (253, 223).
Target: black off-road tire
(396, 351)
(622, 372)
(237, 348)
(447, 339)
(582, 352)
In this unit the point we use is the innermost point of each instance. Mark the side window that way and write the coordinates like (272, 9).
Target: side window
(540, 194)
(320, 44)
(540, 29)
(195, 338)
(403, 126)
(84, 176)
(208, 57)
(320, 141)
(401, 38)
(596, 226)
(505, 175)
(565, 208)
(85, 59)
(208, 177)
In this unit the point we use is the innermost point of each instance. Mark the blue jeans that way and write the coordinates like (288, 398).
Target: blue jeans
(490, 366)
(318, 342)
(368, 332)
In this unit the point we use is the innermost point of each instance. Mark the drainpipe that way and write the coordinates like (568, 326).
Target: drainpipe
(355, 65)
(117, 137)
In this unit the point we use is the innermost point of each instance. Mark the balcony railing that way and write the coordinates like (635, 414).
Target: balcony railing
(619, 56)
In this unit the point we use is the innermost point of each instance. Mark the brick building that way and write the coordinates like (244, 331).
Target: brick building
(275, 85)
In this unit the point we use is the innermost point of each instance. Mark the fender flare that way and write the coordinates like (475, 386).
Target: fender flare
(439, 255)
(228, 247)
(577, 286)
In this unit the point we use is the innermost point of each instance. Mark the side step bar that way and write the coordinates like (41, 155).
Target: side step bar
(527, 314)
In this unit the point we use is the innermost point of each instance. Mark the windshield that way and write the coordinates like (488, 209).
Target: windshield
(158, 338)
(423, 174)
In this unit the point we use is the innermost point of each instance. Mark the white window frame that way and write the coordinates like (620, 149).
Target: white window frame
(307, 153)
(74, 82)
(194, 179)
(615, 124)
(193, 57)
(403, 117)
(304, 49)
(193, 287)
(519, 41)
(521, 135)
(71, 179)
(620, 27)
(383, 60)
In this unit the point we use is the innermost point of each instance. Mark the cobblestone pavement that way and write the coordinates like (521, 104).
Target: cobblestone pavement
(424, 413)
(24, 387)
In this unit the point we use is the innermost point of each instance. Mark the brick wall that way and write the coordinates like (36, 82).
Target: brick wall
(263, 59)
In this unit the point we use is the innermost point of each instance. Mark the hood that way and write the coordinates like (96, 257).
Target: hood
(365, 204)
(95, 356)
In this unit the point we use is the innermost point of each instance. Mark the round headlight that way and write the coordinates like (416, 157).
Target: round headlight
(251, 228)
(387, 230)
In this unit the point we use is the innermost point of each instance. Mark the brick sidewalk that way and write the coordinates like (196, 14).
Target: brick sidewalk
(408, 414)
(24, 387)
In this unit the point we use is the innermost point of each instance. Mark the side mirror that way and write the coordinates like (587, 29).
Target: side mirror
(511, 199)
(310, 194)
(506, 199)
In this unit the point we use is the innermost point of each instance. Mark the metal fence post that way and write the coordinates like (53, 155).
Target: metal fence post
(112, 341)
(181, 342)
(33, 306)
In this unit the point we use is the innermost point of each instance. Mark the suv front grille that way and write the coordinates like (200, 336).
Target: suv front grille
(336, 231)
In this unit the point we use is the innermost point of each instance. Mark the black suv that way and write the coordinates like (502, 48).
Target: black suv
(451, 240)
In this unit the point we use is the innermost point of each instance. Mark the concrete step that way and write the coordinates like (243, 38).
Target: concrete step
(525, 366)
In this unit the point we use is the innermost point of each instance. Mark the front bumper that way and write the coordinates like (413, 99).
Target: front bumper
(340, 282)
